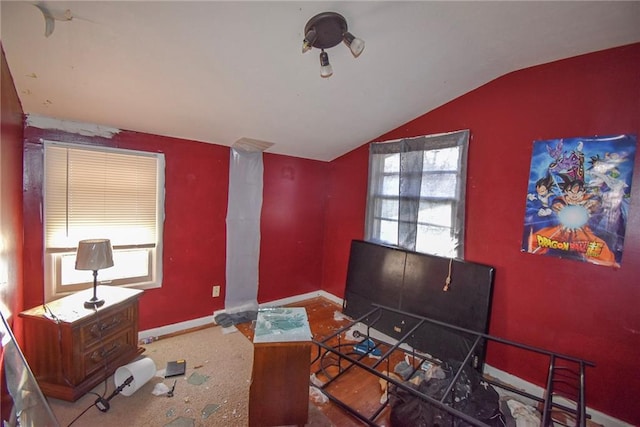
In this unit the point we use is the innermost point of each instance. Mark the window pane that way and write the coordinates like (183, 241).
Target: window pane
(129, 263)
(445, 159)
(126, 263)
(389, 232)
(435, 240)
(392, 163)
(442, 185)
(389, 209)
(390, 185)
(434, 213)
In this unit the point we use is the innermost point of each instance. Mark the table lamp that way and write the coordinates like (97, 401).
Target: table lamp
(128, 379)
(94, 254)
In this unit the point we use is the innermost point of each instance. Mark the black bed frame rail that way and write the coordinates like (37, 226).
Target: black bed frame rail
(566, 382)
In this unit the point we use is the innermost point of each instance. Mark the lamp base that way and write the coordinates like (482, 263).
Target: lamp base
(94, 303)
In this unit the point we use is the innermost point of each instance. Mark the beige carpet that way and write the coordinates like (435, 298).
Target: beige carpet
(222, 362)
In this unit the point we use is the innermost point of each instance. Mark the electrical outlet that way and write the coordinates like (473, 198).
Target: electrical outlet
(216, 291)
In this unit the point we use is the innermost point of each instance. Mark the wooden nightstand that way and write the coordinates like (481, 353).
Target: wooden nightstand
(279, 391)
(71, 349)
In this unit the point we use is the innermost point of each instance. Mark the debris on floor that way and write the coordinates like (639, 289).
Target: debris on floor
(384, 385)
(316, 396)
(182, 422)
(160, 389)
(209, 409)
(227, 320)
(197, 379)
(523, 415)
(315, 380)
(367, 347)
(339, 316)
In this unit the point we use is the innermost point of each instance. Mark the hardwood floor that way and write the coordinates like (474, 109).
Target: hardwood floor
(359, 389)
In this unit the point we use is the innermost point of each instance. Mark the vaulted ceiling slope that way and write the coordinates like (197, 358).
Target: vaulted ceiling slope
(216, 71)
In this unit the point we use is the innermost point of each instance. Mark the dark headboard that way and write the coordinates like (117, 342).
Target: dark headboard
(413, 282)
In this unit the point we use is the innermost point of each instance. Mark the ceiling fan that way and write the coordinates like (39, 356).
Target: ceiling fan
(52, 15)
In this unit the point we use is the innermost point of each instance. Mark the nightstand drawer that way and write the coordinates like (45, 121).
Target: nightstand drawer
(106, 325)
(108, 351)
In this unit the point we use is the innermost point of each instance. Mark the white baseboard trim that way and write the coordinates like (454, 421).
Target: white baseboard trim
(175, 327)
(293, 300)
(208, 320)
(303, 297)
(519, 383)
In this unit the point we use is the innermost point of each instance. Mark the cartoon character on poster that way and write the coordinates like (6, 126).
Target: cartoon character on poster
(578, 198)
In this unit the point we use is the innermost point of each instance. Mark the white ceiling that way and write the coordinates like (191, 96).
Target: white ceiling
(217, 71)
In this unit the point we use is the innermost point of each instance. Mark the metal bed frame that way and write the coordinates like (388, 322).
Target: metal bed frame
(565, 378)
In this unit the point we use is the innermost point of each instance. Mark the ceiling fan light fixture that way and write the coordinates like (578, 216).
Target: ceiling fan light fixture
(326, 30)
(309, 39)
(356, 45)
(325, 67)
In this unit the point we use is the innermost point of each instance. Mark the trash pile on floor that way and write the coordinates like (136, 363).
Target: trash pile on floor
(435, 393)
(470, 396)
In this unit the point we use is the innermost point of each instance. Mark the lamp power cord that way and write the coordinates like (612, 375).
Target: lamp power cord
(103, 404)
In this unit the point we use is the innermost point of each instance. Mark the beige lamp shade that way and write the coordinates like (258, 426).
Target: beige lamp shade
(94, 254)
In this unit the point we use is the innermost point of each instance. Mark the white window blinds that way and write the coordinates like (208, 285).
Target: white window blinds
(96, 192)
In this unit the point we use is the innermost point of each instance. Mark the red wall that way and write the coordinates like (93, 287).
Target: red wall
(10, 215)
(197, 177)
(11, 198)
(566, 306)
(345, 212)
(292, 225)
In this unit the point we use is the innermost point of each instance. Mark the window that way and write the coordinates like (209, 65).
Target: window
(416, 193)
(97, 192)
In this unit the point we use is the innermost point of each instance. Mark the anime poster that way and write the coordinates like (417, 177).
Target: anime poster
(578, 198)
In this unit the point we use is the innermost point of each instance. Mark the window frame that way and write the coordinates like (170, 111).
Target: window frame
(53, 255)
(411, 165)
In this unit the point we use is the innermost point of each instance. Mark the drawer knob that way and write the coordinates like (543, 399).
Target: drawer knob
(99, 328)
(98, 356)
